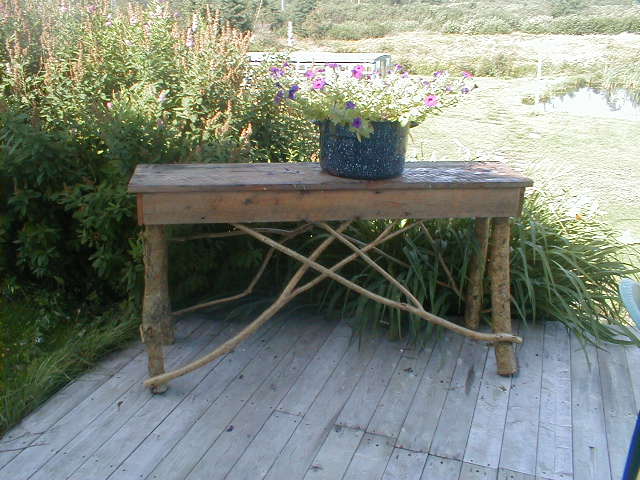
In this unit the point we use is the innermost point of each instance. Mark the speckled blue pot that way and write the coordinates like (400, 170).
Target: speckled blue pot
(381, 155)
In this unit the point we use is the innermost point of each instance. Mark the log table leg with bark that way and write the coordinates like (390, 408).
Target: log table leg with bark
(501, 294)
(157, 323)
(475, 289)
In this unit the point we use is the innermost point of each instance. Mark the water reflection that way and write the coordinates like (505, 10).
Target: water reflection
(617, 103)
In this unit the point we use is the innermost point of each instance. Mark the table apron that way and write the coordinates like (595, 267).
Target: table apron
(317, 205)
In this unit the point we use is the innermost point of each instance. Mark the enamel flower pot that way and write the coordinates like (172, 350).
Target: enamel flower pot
(379, 156)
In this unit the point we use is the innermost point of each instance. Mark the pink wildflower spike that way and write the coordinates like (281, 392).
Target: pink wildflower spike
(466, 74)
(431, 101)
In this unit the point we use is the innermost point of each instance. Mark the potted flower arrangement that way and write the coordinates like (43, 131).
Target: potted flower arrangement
(364, 119)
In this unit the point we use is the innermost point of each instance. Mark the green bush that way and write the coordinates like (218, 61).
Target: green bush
(83, 107)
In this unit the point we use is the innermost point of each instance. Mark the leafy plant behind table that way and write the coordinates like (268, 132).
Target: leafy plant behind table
(565, 266)
(89, 94)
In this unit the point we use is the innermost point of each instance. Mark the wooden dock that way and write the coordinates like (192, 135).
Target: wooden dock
(302, 400)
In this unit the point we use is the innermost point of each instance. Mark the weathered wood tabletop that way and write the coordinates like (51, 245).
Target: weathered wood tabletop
(239, 194)
(209, 193)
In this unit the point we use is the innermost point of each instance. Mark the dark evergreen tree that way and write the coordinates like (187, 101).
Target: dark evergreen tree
(237, 13)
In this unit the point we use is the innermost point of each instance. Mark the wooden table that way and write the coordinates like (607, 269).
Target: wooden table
(300, 192)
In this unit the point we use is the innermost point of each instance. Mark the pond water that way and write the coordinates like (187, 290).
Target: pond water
(617, 103)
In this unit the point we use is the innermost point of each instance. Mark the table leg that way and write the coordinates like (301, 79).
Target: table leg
(157, 323)
(501, 294)
(475, 288)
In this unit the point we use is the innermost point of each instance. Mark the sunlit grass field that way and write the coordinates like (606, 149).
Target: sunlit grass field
(593, 161)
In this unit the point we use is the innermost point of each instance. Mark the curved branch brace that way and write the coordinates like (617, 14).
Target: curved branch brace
(289, 234)
(158, 381)
(488, 337)
(290, 291)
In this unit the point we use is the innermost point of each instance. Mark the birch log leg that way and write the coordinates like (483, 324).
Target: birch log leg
(157, 324)
(501, 294)
(475, 288)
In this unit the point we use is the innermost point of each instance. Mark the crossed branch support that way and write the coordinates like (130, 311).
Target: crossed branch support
(157, 320)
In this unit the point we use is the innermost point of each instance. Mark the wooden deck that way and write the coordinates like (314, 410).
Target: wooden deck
(301, 400)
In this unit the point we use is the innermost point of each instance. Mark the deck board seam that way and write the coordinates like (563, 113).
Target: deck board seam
(517, 331)
(453, 373)
(275, 410)
(342, 355)
(209, 327)
(542, 345)
(404, 419)
(257, 353)
(606, 429)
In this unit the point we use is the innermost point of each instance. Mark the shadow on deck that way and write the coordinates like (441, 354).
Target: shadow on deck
(301, 400)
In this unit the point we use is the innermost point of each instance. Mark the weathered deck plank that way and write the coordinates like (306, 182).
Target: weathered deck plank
(230, 445)
(438, 468)
(476, 472)
(450, 438)
(362, 403)
(520, 437)
(371, 458)
(157, 445)
(619, 405)
(394, 404)
(487, 428)
(335, 455)
(422, 419)
(227, 392)
(305, 390)
(405, 465)
(87, 442)
(27, 432)
(554, 458)
(296, 457)
(590, 450)
(107, 459)
(264, 448)
(228, 421)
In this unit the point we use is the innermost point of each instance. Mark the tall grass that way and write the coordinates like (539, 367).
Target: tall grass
(31, 372)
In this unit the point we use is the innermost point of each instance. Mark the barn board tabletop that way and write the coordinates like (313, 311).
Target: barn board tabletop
(308, 176)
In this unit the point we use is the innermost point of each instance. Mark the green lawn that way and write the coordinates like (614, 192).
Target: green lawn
(593, 161)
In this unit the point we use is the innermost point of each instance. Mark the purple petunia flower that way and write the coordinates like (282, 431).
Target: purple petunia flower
(276, 72)
(357, 122)
(332, 65)
(319, 83)
(465, 90)
(439, 73)
(310, 74)
(292, 92)
(431, 101)
(349, 105)
(279, 96)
